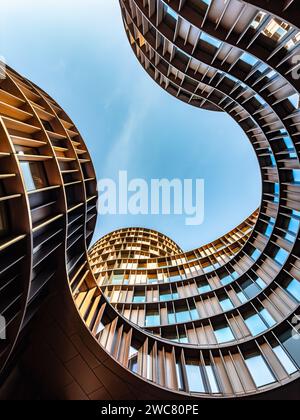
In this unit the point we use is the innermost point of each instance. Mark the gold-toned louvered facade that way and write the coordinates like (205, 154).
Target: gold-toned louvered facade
(47, 202)
(141, 317)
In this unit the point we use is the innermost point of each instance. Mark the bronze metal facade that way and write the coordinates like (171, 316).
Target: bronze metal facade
(47, 203)
(141, 317)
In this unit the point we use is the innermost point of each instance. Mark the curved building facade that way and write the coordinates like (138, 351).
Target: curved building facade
(47, 204)
(227, 329)
(221, 325)
(140, 316)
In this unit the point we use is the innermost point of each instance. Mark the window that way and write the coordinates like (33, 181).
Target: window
(255, 324)
(183, 339)
(182, 315)
(256, 254)
(267, 318)
(175, 278)
(133, 359)
(291, 342)
(249, 59)
(34, 175)
(210, 40)
(117, 278)
(212, 379)
(294, 100)
(260, 283)
(179, 375)
(294, 225)
(296, 175)
(226, 279)
(226, 304)
(260, 371)
(251, 289)
(224, 334)
(294, 289)
(193, 312)
(194, 378)
(165, 296)
(204, 288)
(171, 317)
(281, 256)
(139, 297)
(269, 228)
(285, 360)
(259, 323)
(171, 12)
(242, 297)
(152, 281)
(152, 318)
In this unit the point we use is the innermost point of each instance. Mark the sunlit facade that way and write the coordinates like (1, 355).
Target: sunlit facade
(235, 322)
(138, 316)
(48, 211)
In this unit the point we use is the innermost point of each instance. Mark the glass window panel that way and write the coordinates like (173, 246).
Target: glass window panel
(285, 360)
(179, 376)
(152, 319)
(260, 283)
(210, 40)
(194, 314)
(226, 280)
(212, 379)
(294, 225)
(204, 288)
(163, 297)
(171, 12)
(249, 59)
(260, 371)
(291, 342)
(171, 317)
(296, 175)
(256, 254)
(226, 304)
(139, 297)
(255, 324)
(294, 289)
(269, 230)
(251, 289)
(182, 315)
(268, 318)
(194, 378)
(183, 339)
(294, 100)
(242, 297)
(133, 359)
(175, 278)
(33, 175)
(281, 256)
(224, 335)
(276, 29)
(117, 279)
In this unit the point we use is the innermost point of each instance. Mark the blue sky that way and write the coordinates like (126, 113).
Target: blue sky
(78, 52)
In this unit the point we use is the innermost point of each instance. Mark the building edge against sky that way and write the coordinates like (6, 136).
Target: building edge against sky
(223, 316)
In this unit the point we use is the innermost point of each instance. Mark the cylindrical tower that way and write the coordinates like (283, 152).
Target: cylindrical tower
(47, 203)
